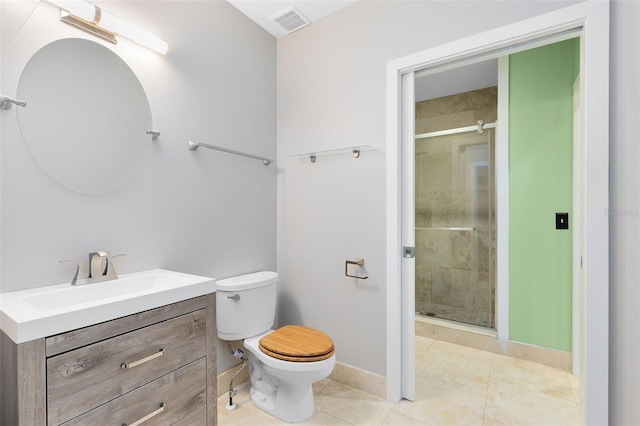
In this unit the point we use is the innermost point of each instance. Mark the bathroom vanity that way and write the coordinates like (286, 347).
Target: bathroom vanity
(155, 366)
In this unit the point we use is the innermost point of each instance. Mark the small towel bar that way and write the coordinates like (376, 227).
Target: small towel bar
(194, 146)
(358, 262)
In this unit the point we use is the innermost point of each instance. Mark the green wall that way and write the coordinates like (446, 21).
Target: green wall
(540, 181)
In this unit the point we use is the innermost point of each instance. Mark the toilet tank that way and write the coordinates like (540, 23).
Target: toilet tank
(245, 305)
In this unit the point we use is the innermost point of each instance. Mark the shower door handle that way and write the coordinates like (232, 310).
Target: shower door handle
(408, 252)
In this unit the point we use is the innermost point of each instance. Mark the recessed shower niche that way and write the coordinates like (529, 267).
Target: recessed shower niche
(86, 117)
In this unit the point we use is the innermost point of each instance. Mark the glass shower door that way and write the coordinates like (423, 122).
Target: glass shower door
(455, 228)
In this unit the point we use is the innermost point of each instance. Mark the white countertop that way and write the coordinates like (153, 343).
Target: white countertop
(45, 311)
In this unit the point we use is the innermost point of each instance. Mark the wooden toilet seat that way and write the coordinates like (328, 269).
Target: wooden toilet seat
(296, 343)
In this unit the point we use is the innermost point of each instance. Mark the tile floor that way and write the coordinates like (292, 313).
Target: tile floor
(455, 385)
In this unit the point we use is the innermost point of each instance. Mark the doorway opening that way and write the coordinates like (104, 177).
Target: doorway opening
(589, 20)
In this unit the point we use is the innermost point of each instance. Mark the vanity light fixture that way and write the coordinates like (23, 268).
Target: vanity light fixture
(92, 19)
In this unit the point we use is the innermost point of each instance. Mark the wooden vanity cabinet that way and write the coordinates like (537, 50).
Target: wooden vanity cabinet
(154, 367)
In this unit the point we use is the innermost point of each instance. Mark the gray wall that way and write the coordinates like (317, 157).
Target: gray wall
(331, 93)
(202, 212)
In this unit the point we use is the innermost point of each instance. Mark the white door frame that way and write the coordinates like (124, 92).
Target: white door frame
(577, 244)
(407, 234)
(592, 17)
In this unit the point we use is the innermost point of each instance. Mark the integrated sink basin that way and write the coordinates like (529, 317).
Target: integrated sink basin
(31, 314)
(69, 296)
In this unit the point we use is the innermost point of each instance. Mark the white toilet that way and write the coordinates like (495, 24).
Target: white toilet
(283, 363)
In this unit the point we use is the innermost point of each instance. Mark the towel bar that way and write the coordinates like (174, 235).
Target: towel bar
(359, 262)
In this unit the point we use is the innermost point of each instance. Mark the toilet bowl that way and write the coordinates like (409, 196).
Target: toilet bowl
(284, 388)
(283, 363)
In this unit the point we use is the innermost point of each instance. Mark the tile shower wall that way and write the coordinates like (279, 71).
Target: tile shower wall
(454, 269)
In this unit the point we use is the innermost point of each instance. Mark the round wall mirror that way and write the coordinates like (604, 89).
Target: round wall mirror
(86, 117)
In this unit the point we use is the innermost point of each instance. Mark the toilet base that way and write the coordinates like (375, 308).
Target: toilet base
(292, 403)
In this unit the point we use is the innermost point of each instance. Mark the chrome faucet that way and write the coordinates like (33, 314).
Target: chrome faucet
(100, 268)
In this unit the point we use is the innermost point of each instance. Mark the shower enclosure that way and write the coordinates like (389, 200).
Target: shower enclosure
(455, 225)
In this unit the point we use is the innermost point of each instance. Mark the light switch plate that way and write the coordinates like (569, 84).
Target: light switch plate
(562, 220)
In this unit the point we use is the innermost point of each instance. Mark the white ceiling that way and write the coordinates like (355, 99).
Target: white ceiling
(260, 11)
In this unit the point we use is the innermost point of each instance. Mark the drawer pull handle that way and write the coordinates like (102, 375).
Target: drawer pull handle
(147, 417)
(143, 360)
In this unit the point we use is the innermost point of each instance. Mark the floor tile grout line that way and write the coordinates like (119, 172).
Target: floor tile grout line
(407, 415)
(573, 391)
(335, 417)
(387, 417)
(486, 395)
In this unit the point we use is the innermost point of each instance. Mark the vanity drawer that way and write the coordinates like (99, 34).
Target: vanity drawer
(168, 400)
(197, 418)
(80, 380)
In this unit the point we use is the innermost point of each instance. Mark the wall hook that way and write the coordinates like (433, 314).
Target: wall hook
(358, 262)
(154, 134)
(6, 102)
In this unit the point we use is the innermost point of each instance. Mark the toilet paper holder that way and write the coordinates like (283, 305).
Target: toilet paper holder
(358, 262)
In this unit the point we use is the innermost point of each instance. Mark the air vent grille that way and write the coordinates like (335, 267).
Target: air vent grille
(290, 19)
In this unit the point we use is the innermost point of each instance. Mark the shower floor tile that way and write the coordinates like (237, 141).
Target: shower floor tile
(455, 385)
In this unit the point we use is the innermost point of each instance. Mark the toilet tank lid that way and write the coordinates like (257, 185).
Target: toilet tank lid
(245, 282)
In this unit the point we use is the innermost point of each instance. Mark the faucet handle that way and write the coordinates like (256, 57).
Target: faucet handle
(109, 268)
(80, 264)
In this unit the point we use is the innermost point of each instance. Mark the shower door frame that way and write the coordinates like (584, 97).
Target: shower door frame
(591, 19)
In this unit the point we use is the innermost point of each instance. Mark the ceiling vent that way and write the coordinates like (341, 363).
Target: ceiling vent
(290, 19)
